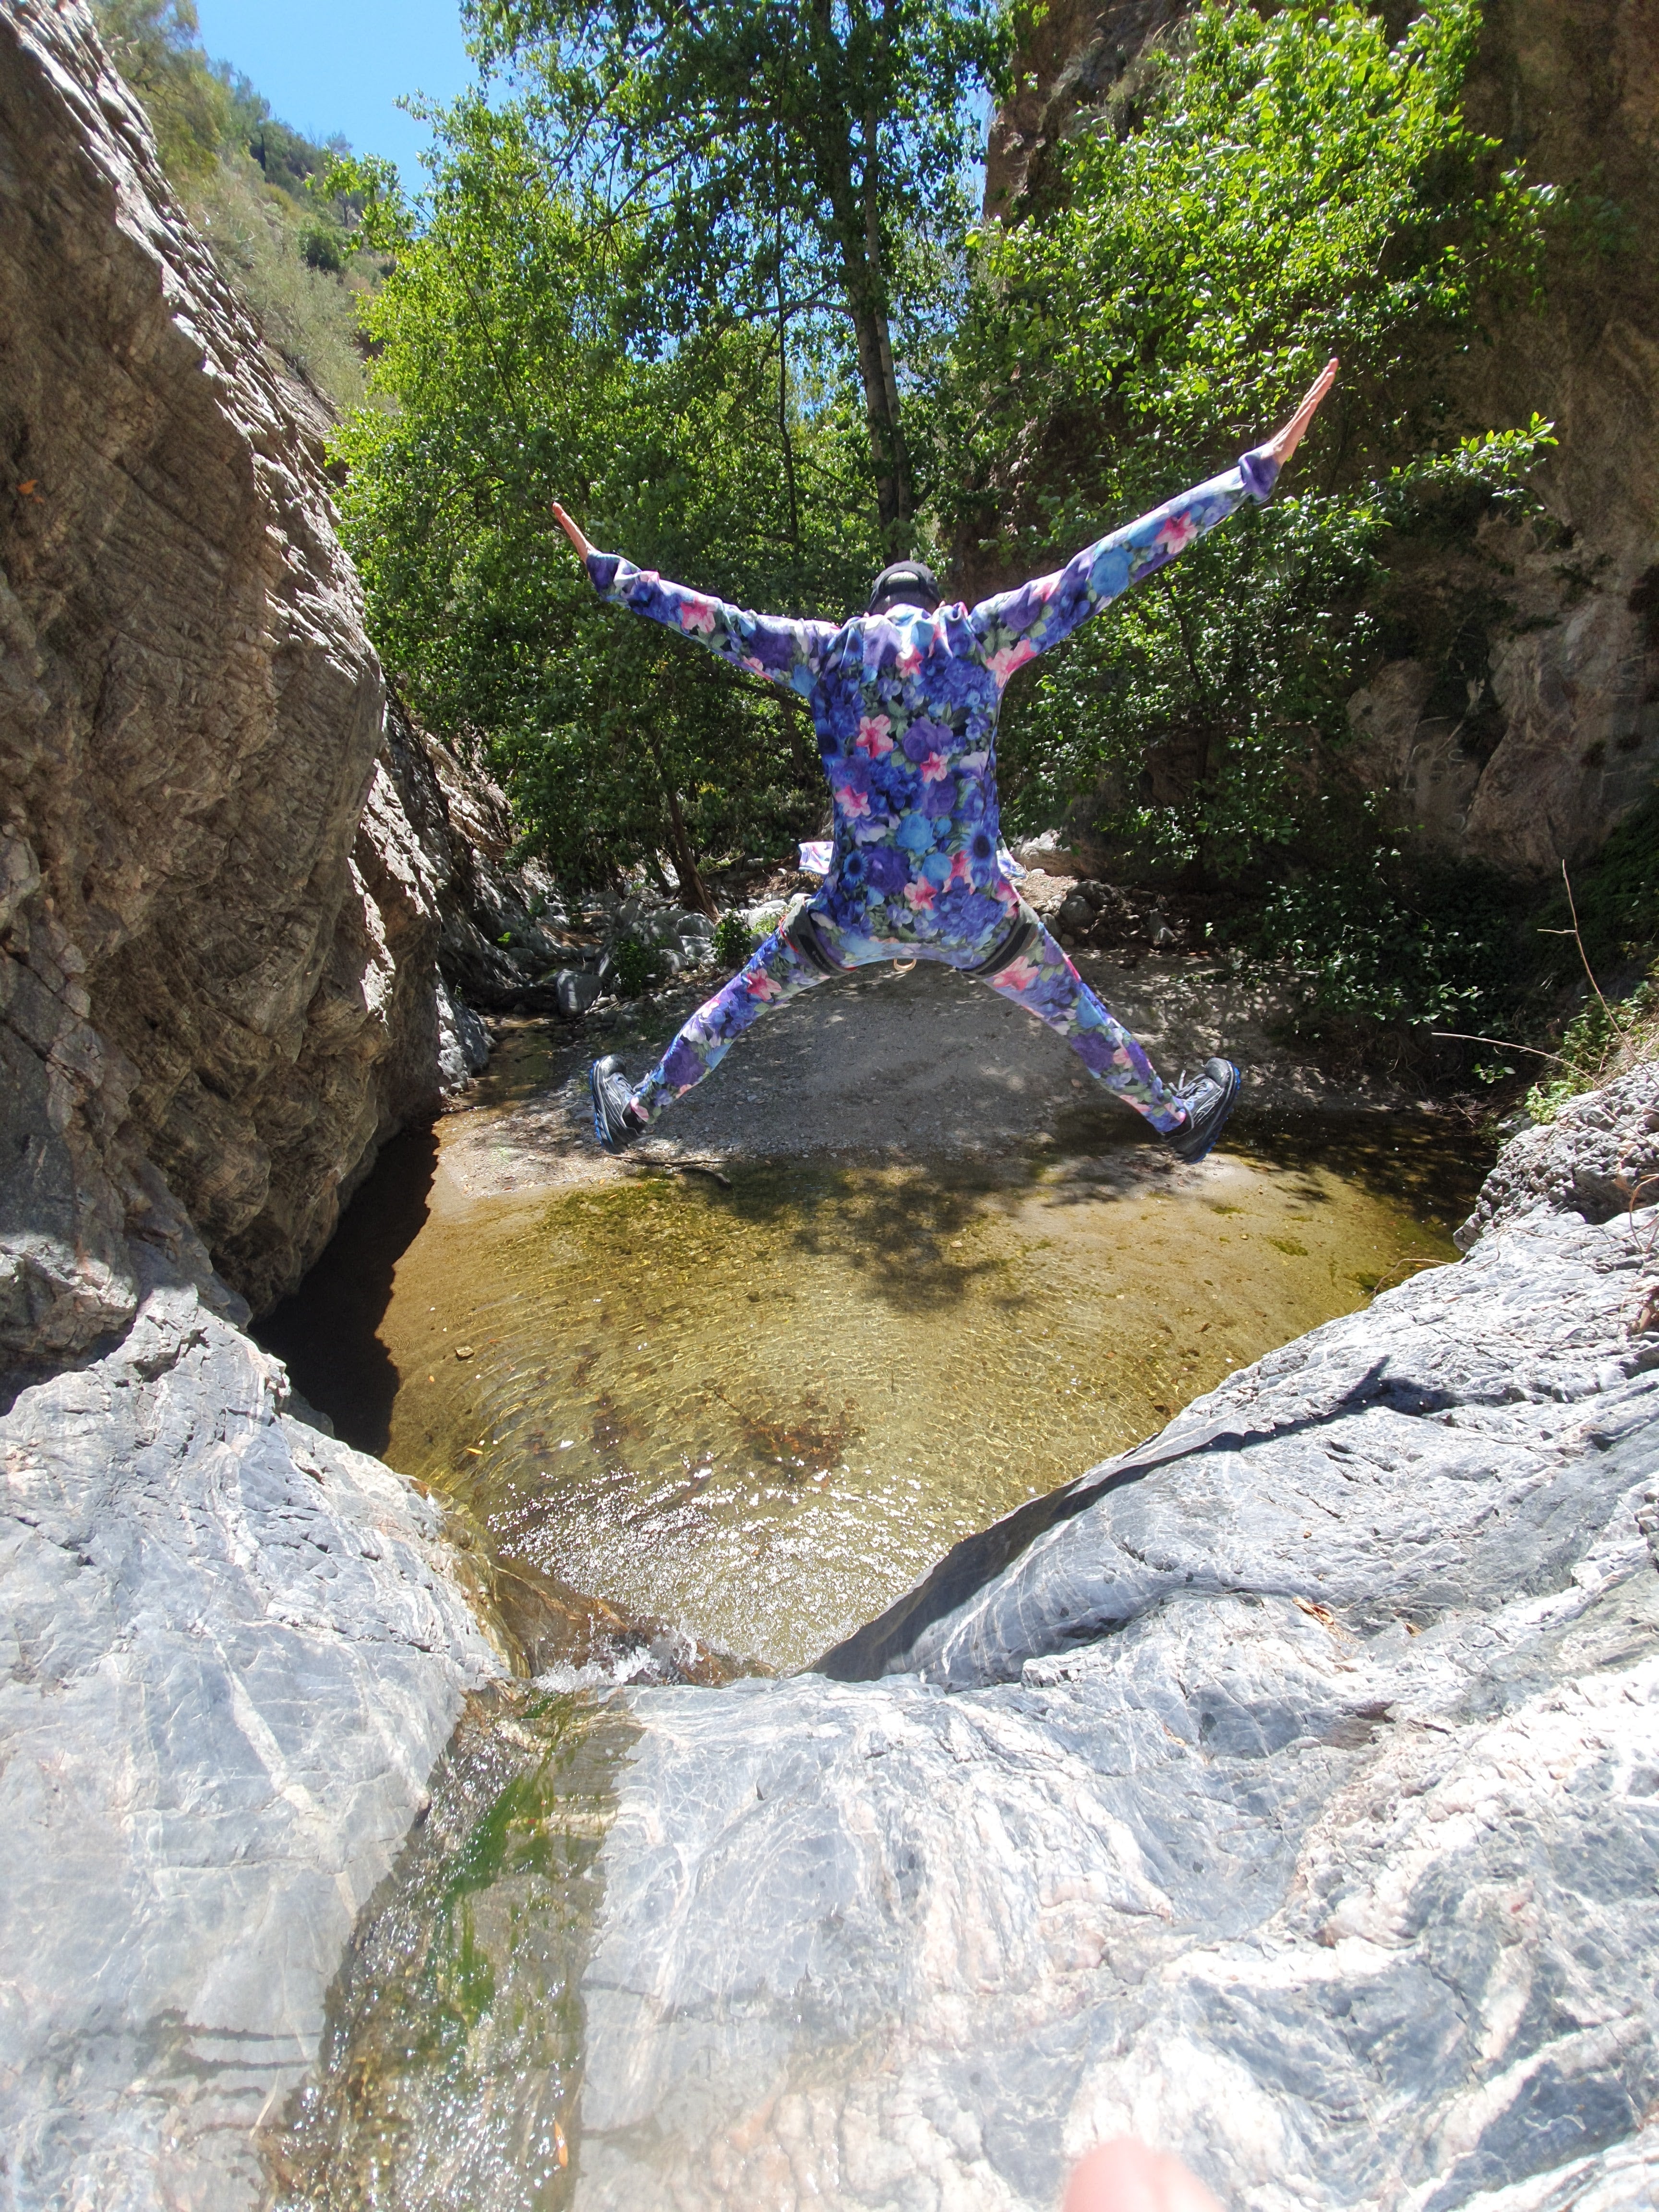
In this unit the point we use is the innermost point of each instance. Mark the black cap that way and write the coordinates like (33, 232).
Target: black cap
(906, 584)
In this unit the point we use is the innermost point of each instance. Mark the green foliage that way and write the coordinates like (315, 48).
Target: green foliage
(309, 314)
(257, 190)
(1286, 187)
(505, 345)
(1380, 939)
(1600, 1040)
(192, 108)
(636, 967)
(782, 161)
(1610, 920)
(322, 247)
(1615, 898)
(734, 940)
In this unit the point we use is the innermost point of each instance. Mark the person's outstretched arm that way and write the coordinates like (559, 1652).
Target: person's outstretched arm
(771, 646)
(1014, 626)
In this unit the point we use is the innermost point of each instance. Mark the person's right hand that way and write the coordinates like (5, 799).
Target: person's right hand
(1124, 2176)
(1291, 436)
(571, 531)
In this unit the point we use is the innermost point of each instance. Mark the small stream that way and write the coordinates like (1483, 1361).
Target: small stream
(699, 1429)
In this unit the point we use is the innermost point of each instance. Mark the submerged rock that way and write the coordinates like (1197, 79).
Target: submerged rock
(231, 1650)
(1285, 1791)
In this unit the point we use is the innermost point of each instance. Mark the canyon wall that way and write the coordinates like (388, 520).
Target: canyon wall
(226, 867)
(1526, 724)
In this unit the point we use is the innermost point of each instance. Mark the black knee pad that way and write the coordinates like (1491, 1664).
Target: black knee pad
(798, 930)
(1023, 933)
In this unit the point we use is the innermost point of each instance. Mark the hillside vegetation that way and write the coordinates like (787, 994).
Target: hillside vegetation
(256, 189)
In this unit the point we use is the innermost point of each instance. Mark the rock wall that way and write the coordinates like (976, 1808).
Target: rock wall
(1285, 1792)
(1558, 734)
(1519, 737)
(225, 871)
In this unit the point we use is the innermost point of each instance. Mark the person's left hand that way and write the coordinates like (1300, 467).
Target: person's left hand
(571, 531)
(1291, 435)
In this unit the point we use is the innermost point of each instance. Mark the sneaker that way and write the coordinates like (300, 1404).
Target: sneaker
(616, 1120)
(1208, 1099)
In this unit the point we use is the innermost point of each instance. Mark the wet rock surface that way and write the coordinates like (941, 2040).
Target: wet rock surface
(1285, 1792)
(231, 1650)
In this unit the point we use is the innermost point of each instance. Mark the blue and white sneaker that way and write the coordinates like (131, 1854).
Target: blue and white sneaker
(1208, 1098)
(616, 1120)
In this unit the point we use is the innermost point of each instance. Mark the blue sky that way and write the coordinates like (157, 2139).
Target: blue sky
(328, 65)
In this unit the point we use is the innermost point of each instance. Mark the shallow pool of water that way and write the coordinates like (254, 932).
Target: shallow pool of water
(760, 1412)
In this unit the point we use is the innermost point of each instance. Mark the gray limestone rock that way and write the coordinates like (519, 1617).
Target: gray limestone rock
(231, 1650)
(1599, 1155)
(576, 990)
(465, 1041)
(1285, 1791)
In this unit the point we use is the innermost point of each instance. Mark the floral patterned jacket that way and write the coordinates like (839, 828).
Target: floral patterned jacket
(905, 705)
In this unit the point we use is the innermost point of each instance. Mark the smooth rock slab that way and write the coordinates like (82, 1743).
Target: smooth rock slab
(231, 1650)
(1287, 1793)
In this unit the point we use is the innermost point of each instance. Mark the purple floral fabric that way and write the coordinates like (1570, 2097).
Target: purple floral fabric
(905, 705)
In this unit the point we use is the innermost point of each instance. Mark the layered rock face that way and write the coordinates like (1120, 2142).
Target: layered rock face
(1533, 726)
(1285, 1792)
(223, 871)
(1557, 734)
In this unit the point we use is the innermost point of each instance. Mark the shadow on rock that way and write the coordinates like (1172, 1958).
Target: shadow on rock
(326, 1334)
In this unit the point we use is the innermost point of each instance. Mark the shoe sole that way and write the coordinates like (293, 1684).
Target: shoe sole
(1223, 1115)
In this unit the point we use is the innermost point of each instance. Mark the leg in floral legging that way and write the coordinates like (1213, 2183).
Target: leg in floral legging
(1043, 981)
(773, 974)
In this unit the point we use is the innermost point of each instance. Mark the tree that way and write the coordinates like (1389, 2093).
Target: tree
(503, 344)
(784, 159)
(156, 46)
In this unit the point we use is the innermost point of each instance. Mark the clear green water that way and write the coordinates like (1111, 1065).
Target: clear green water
(761, 1414)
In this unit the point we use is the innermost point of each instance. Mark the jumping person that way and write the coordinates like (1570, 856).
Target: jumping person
(904, 699)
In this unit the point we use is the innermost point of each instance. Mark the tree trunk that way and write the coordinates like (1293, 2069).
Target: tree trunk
(783, 373)
(857, 236)
(692, 891)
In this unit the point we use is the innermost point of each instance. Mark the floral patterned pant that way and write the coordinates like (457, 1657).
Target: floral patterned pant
(1043, 981)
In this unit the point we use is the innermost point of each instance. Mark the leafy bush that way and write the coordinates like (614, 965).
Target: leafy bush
(734, 940)
(1382, 941)
(636, 967)
(321, 247)
(1615, 897)
(1601, 1042)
